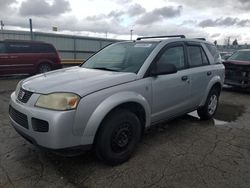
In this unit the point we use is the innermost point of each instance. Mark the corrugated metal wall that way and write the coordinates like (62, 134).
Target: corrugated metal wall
(69, 46)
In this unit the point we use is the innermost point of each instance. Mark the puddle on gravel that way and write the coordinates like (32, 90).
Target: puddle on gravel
(226, 113)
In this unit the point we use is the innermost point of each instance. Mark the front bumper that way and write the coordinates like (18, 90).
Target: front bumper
(242, 84)
(59, 135)
(237, 75)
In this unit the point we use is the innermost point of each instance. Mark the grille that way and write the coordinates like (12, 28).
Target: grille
(236, 73)
(24, 95)
(18, 117)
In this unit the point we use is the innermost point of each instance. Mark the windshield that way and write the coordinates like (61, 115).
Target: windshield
(121, 57)
(241, 56)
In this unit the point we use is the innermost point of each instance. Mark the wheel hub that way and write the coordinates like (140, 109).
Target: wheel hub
(121, 138)
(212, 105)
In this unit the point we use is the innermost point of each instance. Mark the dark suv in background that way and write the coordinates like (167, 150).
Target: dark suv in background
(237, 69)
(27, 57)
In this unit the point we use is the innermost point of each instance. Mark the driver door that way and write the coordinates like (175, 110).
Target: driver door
(171, 92)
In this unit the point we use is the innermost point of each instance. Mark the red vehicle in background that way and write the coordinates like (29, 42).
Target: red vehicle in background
(237, 69)
(27, 57)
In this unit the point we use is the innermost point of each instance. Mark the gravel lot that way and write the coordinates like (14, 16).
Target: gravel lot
(185, 152)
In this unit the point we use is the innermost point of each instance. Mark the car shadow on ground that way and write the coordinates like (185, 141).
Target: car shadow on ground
(79, 168)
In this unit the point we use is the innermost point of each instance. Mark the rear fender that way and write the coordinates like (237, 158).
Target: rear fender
(213, 81)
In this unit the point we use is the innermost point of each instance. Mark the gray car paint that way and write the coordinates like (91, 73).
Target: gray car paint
(77, 80)
(161, 97)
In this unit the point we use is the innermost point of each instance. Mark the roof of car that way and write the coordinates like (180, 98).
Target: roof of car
(23, 41)
(245, 50)
(171, 38)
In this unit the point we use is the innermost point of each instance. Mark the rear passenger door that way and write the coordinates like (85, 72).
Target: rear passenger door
(200, 72)
(21, 58)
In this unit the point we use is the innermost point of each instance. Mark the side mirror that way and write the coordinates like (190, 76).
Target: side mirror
(163, 68)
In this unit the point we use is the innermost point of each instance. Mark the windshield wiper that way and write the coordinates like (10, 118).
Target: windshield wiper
(105, 68)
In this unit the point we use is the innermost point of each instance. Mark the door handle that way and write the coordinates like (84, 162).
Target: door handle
(184, 78)
(209, 73)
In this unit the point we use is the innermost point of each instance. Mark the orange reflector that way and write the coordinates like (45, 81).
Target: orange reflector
(72, 102)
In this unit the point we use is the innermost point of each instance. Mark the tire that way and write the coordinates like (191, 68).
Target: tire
(117, 137)
(44, 67)
(209, 109)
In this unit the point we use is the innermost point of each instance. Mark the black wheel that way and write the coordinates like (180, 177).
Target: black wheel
(208, 110)
(117, 137)
(45, 67)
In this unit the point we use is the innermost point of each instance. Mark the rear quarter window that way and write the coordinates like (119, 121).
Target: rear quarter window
(195, 56)
(42, 48)
(214, 52)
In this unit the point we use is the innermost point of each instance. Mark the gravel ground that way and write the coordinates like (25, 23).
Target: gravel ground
(185, 152)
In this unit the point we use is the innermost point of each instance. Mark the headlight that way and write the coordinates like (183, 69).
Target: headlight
(18, 88)
(58, 101)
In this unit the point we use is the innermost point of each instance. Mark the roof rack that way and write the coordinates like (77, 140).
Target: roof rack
(200, 38)
(167, 36)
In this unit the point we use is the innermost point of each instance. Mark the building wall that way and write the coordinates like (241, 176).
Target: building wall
(69, 46)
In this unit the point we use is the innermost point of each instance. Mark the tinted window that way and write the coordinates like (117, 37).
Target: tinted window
(204, 57)
(240, 56)
(18, 48)
(214, 52)
(122, 57)
(42, 48)
(2, 48)
(175, 56)
(195, 56)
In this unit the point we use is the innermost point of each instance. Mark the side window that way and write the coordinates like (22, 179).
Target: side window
(195, 56)
(214, 52)
(2, 48)
(19, 48)
(42, 48)
(173, 55)
(204, 58)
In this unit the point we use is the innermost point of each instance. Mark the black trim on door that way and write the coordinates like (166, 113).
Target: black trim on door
(167, 46)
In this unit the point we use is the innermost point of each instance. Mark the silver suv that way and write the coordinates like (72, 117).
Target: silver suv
(107, 102)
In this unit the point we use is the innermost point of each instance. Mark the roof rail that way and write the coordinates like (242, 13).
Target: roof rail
(200, 39)
(167, 36)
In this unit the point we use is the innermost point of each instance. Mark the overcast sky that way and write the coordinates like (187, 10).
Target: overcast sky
(213, 19)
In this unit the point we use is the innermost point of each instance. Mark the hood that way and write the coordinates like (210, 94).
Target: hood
(77, 80)
(235, 62)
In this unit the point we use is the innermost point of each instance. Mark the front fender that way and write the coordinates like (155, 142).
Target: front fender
(110, 103)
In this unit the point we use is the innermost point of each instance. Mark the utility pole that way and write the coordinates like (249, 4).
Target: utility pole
(31, 29)
(131, 34)
(2, 25)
